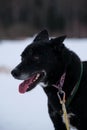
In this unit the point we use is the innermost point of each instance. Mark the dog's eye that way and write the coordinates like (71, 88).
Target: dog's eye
(36, 58)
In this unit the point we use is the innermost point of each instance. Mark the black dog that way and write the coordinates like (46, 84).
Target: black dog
(50, 62)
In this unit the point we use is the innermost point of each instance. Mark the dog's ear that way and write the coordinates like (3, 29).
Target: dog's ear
(61, 50)
(59, 39)
(56, 43)
(43, 35)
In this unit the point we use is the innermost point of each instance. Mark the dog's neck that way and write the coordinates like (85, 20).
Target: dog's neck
(73, 71)
(72, 75)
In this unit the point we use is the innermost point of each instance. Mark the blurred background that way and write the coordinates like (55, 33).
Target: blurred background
(22, 18)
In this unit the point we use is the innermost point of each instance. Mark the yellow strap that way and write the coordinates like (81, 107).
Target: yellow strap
(65, 115)
(66, 119)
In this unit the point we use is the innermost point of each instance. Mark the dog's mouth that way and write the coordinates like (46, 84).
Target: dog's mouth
(31, 82)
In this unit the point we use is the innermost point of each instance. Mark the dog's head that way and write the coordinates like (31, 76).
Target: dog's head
(40, 61)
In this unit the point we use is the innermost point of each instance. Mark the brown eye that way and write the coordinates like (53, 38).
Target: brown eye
(36, 57)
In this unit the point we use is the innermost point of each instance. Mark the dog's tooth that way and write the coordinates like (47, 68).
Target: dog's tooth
(34, 80)
(38, 75)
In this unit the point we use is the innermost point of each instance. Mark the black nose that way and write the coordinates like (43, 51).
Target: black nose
(15, 72)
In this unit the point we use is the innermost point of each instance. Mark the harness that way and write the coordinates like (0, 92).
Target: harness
(65, 103)
(59, 86)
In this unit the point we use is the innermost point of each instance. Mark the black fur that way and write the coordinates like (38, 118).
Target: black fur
(52, 57)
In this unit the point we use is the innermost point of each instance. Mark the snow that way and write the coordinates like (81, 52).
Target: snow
(25, 111)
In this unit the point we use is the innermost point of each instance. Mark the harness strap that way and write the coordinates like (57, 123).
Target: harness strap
(75, 88)
(64, 114)
(73, 92)
(59, 85)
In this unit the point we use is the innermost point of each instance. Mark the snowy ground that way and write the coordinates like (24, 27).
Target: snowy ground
(28, 111)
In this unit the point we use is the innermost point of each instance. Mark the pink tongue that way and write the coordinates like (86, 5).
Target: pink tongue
(25, 85)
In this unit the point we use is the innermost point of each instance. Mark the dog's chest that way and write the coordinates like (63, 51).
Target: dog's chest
(70, 115)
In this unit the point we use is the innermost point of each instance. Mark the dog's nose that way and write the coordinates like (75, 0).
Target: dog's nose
(15, 72)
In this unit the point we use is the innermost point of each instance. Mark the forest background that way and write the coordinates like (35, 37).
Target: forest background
(24, 18)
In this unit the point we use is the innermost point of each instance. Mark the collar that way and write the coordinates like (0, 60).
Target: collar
(59, 86)
(73, 92)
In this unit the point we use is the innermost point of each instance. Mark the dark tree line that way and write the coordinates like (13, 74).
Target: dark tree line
(66, 16)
